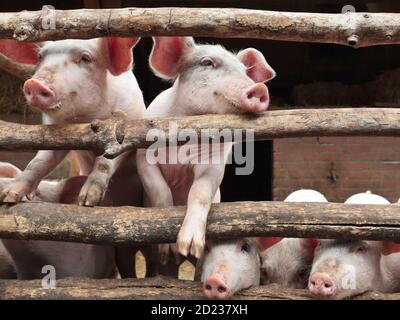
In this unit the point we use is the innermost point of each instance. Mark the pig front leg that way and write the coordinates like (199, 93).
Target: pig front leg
(94, 189)
(26, 182)
(191, 237)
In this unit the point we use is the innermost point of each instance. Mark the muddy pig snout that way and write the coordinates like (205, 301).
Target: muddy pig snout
(255, 98)
(38, 95)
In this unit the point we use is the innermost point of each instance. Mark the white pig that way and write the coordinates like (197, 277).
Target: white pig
(229, 266)
(69, 259)
(287, 261)
(76, 81)
(343, 269)
(208, 79)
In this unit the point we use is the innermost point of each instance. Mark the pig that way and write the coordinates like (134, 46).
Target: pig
(287, 261)
(76, 81)
(207, 79)
(229, 266)
(69, 259)
(342, 269)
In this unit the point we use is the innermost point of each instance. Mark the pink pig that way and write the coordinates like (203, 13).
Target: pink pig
(76, 81)
(343, 269)
(287, 261)
(207, 79)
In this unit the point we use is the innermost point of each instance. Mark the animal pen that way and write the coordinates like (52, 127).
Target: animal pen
(135, 225)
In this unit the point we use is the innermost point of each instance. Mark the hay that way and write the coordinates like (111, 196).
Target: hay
(11, 97)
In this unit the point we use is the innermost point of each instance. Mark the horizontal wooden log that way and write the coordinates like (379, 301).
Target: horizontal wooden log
(353, 29)
(158, 288)
(114, 136)
(135, 226)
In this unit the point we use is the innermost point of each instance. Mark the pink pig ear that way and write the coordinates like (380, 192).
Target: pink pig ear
(266, 242)
(7, 170)
(389, 247)
(166, 55)
(120, 53)
(258, 68)
(68, 189)
(21, 52)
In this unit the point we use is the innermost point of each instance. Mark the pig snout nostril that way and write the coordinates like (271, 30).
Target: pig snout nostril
(327, 285)
(263, 99)
(208, 287)
(250, 95)
(221, 289)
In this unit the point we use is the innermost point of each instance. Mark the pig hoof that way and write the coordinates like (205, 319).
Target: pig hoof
(12, 197)
(16, 193)
(191, 242)
(92, 194)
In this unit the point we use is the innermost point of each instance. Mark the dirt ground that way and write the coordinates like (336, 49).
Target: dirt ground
(186, 270)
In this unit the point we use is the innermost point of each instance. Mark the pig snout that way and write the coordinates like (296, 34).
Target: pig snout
(38, 95)
(215, 288)
(255, 98)
(321, 284)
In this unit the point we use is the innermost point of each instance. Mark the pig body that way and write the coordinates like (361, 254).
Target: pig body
(288, 261)
(207, 80)
(76, 81)
(229, 266)
(68, 259)
(346, 268)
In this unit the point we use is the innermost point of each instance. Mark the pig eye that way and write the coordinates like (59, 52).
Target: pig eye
(361, 249)
(302, 273)
(207, 61)
(86, 57)
(245, 247)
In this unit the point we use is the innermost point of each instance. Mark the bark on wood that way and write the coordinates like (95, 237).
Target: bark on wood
(19, 70)
(134, 225)
(353, 29)
(150, 288)
(115, 136)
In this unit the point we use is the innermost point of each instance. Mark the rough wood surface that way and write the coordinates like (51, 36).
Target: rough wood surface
(353, 29)
(19, 70)
(150, 288)
(115, 136)
(134, 225)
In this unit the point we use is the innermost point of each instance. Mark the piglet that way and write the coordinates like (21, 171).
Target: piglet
(229, 266)
(343, 269)
(287, 261)
(69, 259)
(207, 79)
(76, 81)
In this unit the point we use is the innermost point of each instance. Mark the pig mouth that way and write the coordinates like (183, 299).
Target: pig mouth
(54, 107)
(232, 102)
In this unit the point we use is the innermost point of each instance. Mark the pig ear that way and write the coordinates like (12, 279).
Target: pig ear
(21, 52)
(120, 53)
(258, 68)
(266, 242)
(7, 170)
(68, 189)
(309, 243)
(166, 55)
(389, 247)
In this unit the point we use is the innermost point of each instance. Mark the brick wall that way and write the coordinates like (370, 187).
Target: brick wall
(359, 164)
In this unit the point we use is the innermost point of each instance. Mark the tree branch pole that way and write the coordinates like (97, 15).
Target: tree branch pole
(136, 225)
(158, 288)
(353, 29)
(114, 136)
(19, 70)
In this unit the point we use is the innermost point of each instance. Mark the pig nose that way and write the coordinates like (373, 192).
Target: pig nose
(215, 288)
(321, 284)
(255, 98)
(38, 95)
